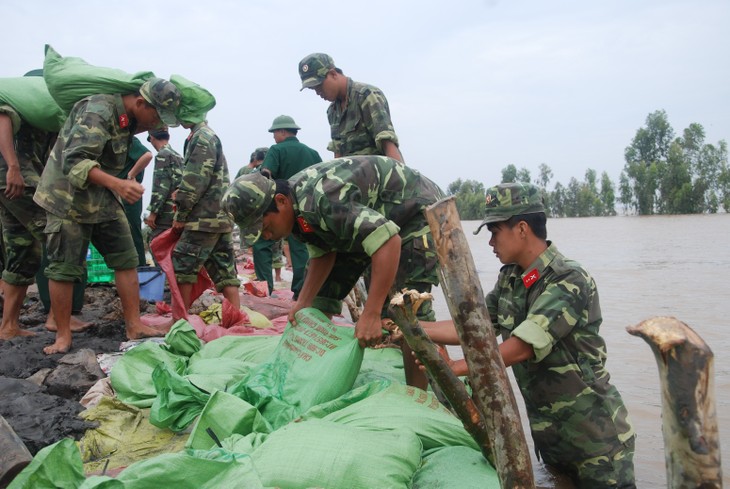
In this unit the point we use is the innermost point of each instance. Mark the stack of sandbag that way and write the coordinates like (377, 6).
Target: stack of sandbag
(291, 418)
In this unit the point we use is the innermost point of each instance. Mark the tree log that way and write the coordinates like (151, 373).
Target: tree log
(689, 421)
(403, 312)
(487, 374)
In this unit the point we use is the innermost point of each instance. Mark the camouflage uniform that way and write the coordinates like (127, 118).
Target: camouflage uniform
(352, 206)
(95, 135)
(22, 220)
(166, 178)
(206, 239)
(362, 126)
(578, 420)
(283, 161)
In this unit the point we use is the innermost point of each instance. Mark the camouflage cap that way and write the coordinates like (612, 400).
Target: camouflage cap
(163, 96)
(313, 69)
(284, 122)
(511, 199)
(246, 200)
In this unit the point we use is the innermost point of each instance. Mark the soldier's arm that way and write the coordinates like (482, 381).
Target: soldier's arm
(14, 184)
(383, 270)
(376, 116)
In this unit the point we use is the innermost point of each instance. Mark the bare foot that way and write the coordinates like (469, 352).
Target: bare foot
(60, 346)
(76, 325)
(12, 333)
(142, 331)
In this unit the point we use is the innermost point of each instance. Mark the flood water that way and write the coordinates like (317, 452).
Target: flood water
(644, 267)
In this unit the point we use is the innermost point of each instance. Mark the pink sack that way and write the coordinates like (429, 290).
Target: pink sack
(161, 248)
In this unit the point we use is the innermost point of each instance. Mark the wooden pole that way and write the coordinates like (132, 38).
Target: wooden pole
(689, 420)
(403, 309)
(487, 374)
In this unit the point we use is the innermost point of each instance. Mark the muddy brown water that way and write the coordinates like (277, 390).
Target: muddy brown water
(644, 267)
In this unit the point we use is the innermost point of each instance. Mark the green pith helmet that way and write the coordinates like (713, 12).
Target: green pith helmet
(246, 200)
(284, 122)
(164, 97)
(313, 69)
(511, 199)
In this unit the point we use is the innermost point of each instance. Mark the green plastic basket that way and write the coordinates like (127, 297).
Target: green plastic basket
(96, 269)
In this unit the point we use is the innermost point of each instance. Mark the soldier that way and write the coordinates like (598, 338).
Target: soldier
(165, 180)
(547, 310)
(285, 158)
(206, 238)
(351, 213)
(23, 153)
(82, 197)
(257, 157)
(358, 114)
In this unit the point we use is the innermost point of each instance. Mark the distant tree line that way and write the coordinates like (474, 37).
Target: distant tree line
(662, 174)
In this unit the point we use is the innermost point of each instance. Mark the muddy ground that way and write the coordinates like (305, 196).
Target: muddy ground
(38, 395)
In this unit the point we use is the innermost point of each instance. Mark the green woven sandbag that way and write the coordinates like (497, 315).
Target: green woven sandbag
(315, 362)
(455, 468)
(71, 79)
(225, 415)
(319, 453)
(193, 469)
(403, 406)
(29, 96)
(254, 349)
(195, 101)
(57, 465)
(131, 376)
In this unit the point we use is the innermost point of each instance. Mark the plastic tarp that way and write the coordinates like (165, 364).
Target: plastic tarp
(124, 436)
(29, 96)
(71, 79)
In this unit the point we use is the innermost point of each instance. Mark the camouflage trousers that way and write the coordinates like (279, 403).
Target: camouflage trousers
(214, 251)
(67, 242)
(605, 471)
(22, 233)
(417, 270)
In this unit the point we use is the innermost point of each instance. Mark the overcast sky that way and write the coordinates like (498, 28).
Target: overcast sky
(473, 85)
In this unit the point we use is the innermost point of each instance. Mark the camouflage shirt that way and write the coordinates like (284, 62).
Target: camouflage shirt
(574, 412)
(204, 179)
(288, 157)
(355, 205)
(31, 148)
(166, 178)
(97, 134)
(362, 126)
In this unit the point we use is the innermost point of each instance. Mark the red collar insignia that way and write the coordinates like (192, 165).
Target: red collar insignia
(531, 278)
(123, 121)
(304, 225)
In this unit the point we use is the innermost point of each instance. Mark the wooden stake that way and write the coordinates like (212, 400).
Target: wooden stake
(403, 309)
(689, 420)
(492, 390)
